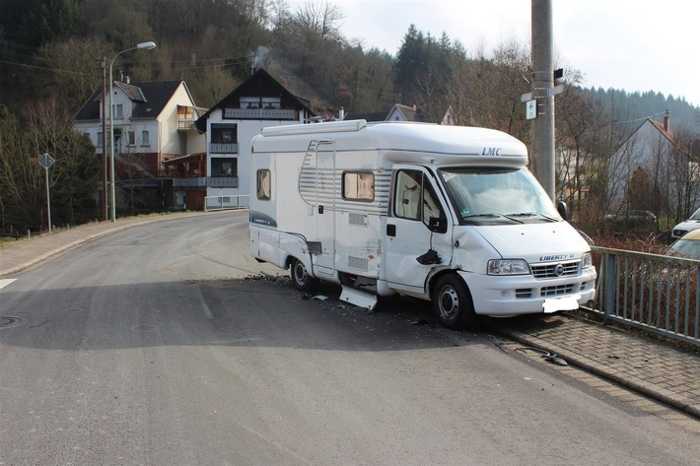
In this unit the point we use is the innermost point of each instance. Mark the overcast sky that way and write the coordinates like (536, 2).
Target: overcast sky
(629, 44)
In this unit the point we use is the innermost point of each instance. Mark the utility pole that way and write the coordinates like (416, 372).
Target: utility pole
(543, 91)
(105, 194)
(45, 160)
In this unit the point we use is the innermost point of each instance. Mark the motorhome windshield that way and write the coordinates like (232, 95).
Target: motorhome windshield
(498, 195)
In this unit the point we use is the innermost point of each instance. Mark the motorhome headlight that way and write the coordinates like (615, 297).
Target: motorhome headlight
(587, 260)
(508, 267)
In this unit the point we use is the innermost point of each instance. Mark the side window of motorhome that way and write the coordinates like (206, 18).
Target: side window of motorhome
(358, 186)
(264, 184)
(415, 197)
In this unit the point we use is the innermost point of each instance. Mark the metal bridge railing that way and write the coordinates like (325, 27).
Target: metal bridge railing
(660, 294)
(226, 202)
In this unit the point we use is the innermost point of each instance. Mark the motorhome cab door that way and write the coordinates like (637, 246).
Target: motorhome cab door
(415, 200)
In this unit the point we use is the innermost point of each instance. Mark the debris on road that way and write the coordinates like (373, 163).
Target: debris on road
(548, 356)
(419, 322)
(265, 276)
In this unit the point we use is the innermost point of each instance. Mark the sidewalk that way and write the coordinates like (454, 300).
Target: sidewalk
(23, 253)
(650, 367)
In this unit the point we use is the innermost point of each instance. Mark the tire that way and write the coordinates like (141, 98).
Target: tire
(452, 304)
(300, 277)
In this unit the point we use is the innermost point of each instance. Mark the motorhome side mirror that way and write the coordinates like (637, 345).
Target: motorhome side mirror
(563, 210)
(437, 224)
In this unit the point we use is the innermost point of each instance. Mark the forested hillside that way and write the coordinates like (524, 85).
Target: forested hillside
(50, 54)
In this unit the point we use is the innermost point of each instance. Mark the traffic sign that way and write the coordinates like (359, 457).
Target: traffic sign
(45, 160)
(531, 109)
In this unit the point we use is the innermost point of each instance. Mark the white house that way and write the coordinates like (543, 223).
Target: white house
(230, 125)
(649, 171)
(153, 123)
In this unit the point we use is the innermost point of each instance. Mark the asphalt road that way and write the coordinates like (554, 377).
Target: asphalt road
(150, 346)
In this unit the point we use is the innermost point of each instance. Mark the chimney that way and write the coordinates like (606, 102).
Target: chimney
(667, 121)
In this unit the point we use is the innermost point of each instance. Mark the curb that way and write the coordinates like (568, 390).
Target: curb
(80, 242)
(633, 383)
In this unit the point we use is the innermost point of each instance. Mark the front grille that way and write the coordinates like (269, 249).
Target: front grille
(556, 290)
(569, 269)
(522, 293)
(679, 233)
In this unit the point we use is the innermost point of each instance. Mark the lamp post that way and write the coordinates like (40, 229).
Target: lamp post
(140, 46)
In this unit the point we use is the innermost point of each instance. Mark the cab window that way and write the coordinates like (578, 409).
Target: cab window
(408, 194)
(415, 197)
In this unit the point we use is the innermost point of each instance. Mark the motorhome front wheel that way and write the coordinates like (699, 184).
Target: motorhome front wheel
(452, 303)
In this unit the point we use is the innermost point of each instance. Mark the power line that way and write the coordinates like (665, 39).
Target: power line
(57, 70)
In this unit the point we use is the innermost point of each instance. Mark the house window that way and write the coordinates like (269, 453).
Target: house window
(264, 184)
(118, 111)
(250, 102)
(145, 138)
(224, 134)
(224, 167)
(132, 138)
(358, 186)
(100, 139)
(271, 103)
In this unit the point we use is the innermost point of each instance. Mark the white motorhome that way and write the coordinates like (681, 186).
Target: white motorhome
(442, 213)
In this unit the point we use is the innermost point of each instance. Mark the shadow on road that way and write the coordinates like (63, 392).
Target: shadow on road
(254, 312)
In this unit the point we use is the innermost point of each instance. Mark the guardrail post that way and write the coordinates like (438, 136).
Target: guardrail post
(610, 285)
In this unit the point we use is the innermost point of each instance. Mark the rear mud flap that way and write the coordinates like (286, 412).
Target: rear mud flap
(358, 298)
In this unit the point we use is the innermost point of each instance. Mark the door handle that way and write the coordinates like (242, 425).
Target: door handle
(390, 229)
(320, 209)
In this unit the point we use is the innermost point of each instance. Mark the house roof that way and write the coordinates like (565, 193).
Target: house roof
(260, 84)
(658, 126)
(149, 97)
(654, 125)
(373, 116)
(132, 92)
(409, 112)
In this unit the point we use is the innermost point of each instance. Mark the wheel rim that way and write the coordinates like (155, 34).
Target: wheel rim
(300, 274)
(448, 303)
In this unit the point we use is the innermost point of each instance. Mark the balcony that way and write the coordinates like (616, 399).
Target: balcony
(204, 181)
(259, 114)
(185, 124)
(223, 148)
(196, 182)
(222, 182)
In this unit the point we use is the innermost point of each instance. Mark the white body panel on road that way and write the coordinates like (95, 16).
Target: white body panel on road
(392, 207)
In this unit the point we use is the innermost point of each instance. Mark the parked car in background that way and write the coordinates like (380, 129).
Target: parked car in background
(632, 218)
(688, 246)
(693, 223)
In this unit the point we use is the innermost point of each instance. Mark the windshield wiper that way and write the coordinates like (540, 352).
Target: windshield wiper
(466, 217)
(531, 214)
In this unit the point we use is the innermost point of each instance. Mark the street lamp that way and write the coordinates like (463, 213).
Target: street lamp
(140, 46)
